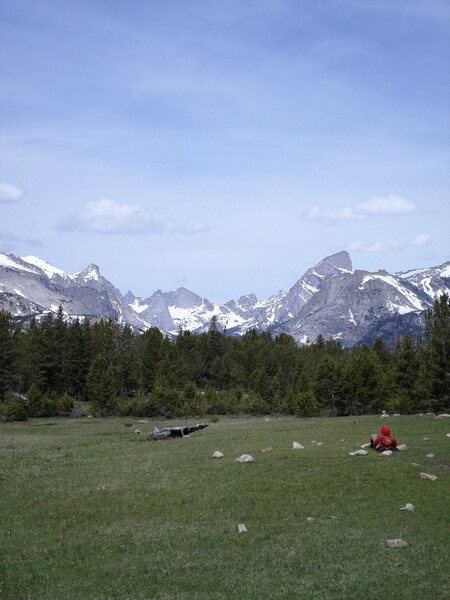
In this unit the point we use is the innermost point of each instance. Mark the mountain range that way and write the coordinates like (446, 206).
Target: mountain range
(330, 299)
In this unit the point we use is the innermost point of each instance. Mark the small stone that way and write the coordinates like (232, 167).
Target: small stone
(137, 431)
(358, 453)
(448, 435)
(268, 449)
(245, 458)
(313, 442)
(430, 455)
(365, 445)
(427, 476)
(442, 416)
(142, 421)
(218, 454)
(396, 415)
(398, 543)
(310, 519)
(297, 446)
(242, 528)
(386, 453)
(415, 464)
(402, 447)
(319, 443)
(425, 439)
(408, 506)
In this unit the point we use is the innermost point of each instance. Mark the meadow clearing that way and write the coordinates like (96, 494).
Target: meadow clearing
(91, 510)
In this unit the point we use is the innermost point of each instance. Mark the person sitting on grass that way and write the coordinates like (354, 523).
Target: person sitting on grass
(384, 440)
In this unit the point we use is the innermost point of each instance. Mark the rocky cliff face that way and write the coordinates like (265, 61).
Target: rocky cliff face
(329, 299)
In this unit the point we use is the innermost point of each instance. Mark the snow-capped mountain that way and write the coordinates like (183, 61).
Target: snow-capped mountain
(434, 282)
(329, 299)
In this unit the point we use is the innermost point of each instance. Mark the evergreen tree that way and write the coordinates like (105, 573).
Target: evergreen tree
(101, 387)
(7, 353)
(438, 338)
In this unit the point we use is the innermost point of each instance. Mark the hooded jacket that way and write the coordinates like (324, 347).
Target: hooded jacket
(384, 440)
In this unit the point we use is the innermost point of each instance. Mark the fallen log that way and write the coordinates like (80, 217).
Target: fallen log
(170, 432)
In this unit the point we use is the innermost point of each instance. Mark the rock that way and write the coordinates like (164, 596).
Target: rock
(397, 543)
(245, 458)
(442, 416)
(408, 506)
(396, 415)
(313, 442)
(448, 435)
(427, 476)
(310, 519)
(386, 453)
(430, 455)
(402, 447)
(319, 443)
(218, 454)
(268, 449)
(365, 445)
(415, 464)
(142, 421)
(358, 453)
(297, 446)
(242, 528)
(425, 439)
(137, 431)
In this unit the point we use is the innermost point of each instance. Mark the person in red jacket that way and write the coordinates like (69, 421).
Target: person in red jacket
(384, 440)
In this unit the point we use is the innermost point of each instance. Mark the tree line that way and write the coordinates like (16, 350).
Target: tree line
(60, 368)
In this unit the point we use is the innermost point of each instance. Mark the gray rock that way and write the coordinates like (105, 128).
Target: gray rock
(396, 543)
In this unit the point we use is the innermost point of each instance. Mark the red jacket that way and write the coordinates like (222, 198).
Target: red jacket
(384, 440)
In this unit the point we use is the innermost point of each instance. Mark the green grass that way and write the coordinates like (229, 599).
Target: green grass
(90, 510)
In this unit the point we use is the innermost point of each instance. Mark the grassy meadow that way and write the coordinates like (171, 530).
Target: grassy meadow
(91, 510)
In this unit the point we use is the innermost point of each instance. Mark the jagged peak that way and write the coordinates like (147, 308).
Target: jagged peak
(92, 271)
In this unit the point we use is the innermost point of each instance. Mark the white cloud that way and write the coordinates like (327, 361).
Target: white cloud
(386, 205)
(317, 213)
(380, 246)
(379, 205)
(421, 239)
(10, 192)
(109, 217)
(388, 245)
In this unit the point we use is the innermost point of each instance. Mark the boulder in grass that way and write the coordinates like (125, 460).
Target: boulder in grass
(242, 528)
(268, 449)
(402, 447)
(218, 454)
(297, 446)
(386, 453)
(366, 445)
(427, 476)
(448, 435)
(430, 455)
(245, 458)
(397, 543)
(442, 416)
(358, 453)
(137, 431)
(408, 506)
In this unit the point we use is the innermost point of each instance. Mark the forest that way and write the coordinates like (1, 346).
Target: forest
(76, 368)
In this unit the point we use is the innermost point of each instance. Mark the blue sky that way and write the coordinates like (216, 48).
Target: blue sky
(224, 145)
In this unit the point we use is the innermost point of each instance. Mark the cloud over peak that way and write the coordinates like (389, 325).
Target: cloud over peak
(379, 205)
(387, 245)
(106, 216)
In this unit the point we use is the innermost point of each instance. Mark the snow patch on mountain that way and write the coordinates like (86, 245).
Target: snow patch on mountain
(48, 269)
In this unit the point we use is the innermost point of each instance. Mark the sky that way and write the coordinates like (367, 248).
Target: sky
(225, 146)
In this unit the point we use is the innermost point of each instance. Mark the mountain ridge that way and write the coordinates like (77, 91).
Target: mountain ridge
(328, 299)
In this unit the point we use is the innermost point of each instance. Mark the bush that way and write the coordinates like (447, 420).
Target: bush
(65, 405)
(12, 409)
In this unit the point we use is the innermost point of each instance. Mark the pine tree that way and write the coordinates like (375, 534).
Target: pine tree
(7, 353)
(101, 387)
(438, 346)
